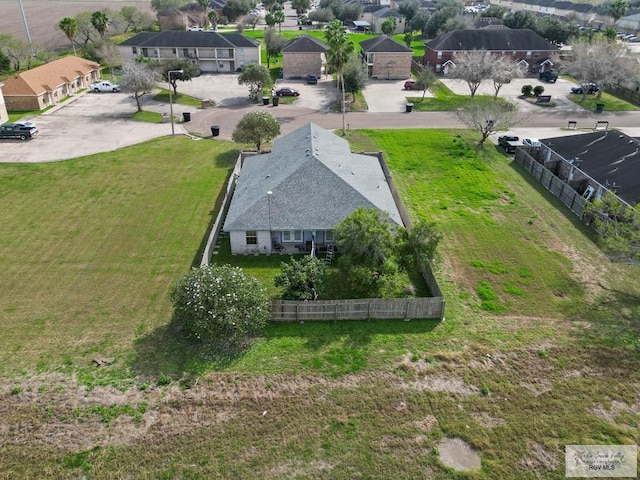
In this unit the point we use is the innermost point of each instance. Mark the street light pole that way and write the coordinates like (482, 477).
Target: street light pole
(269, 193)
(173, 133)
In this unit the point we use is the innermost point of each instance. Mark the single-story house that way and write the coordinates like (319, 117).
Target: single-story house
(4, 116)
(523, 46)
(386, 58)
(49, 84)
(610, 159)
(210, 51)
(292, 198)
(304, 55)
(379, 16)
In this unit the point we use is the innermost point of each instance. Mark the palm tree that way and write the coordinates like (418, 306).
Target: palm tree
(340, 49)
(213, 19)
(70, 28)
(204, 4)
(618, 9)
(100, 22)
(279, 18)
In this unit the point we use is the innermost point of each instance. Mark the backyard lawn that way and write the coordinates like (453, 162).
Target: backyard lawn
(539, 348)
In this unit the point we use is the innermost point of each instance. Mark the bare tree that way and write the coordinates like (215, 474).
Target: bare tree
(473, 67)
(139, 79)
(504, 70)
(487, 117)
(601, 61)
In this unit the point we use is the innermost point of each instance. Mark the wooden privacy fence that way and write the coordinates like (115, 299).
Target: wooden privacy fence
(559, 188)
(361, 309)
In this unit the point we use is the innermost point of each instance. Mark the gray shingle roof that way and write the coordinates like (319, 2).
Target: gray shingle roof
(387, 12)
(305, 44)
(383, 44)
(608, 157)
(490, 39)
(185, 39)
(315, 182)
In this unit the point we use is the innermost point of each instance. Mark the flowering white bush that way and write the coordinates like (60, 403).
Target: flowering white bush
(220, 300)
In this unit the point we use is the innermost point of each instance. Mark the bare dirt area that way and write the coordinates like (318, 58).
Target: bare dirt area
(43, 16)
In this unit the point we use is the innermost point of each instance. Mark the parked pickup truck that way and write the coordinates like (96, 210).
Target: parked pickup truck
(509, 143)
(104, 87)
(549, 76)
(21, 130)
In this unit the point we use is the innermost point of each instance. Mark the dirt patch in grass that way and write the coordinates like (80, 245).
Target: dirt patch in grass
(457, 454)
(487, 421)
(538, 457)
(438, 383)
(426, 423)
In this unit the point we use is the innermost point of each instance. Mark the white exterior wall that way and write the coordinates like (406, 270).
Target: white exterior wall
(4, 116)
(239, 243)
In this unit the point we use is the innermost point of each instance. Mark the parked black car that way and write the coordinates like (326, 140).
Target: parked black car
(21, 130)
(312, 79)
(589, 87)
(549, 76)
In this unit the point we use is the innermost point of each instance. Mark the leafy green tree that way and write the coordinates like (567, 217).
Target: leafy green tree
(139, 79)
(388, 27)
(445, 10)
(520, 19)
(367, 235)
(189, 71)
(270, 20)
(5, 62)
(70, 28)
(213, 19)
(351, 12)
(86, 31)
(100, 22)
(257, 77)
(538, 90)
(322, 15)
(18, 51)
(420, 21)
(554, 29)
(409, 8)
(408, 38)
(527, 90)
(301, 279)
(494, 11)
(279, 17)
(422, 241)
(301, 6)
(273, 44)
(340, 50)
(204, 5)
(256, 128)
(618, 9)
(236, 8)
(355, 79)
(335, 6)
(217, 301)
(134, 19)
(618, 227)
(426, 79)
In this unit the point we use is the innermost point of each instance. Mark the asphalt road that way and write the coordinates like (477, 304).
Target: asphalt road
(95, 123)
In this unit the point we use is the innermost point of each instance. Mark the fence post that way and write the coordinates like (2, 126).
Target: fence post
(335, 312)
(406, 310)
(369, 311)
(297, 313)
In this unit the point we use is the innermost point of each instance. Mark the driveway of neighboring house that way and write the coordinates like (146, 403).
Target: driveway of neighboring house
(559, 92)
(388, 96)
(225, 91)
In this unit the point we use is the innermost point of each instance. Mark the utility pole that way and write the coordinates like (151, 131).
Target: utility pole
(26, 28)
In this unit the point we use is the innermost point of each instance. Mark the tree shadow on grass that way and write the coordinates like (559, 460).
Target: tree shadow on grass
(166, 352)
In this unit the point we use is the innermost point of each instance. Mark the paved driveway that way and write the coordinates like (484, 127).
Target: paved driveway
(388, 96)
(84, 125)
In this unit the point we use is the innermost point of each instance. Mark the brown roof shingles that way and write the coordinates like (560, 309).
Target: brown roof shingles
(38, 80)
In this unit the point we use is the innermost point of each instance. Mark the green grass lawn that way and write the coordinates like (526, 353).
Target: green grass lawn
(444, 99)
(539, 348)
(180, 98)
(610, 102)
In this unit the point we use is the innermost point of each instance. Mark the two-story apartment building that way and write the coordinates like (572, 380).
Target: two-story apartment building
(210, 51)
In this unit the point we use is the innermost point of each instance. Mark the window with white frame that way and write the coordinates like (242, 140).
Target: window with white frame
(252, 237)
(328, 236)
(529, 54)
(439, 55)
(289, 236)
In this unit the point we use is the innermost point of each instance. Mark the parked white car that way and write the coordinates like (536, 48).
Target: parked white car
(104, 87)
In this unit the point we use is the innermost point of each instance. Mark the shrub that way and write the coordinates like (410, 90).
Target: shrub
(538, 90)
(526, 90)
(301, 279)
(220, 300)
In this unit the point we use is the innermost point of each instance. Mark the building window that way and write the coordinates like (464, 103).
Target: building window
(328, 236)
(252, 237)
(439, 55)
(289, 236)
(145, 52)
(529, 54)
(438, 67)
(174, 50)
(135, 50)
(297, 235)
(536, 55)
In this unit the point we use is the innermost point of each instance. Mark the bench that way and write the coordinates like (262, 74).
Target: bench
(543, 99)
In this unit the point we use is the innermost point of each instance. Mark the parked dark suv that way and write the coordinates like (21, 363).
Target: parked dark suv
(312, 79)
(588, 87)
(549, 76)
(21, 130)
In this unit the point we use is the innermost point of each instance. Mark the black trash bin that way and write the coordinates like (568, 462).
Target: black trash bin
(186, 116)
(265, 100)
(276, 101)
(408, 107)
(599, 107)
(215, 130)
